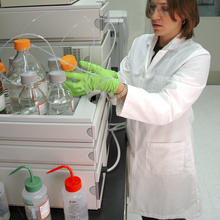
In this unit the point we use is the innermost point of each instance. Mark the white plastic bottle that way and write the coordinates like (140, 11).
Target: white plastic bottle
(4, 210)
(32, 100)
(74, 197)
(23, 62)
(60, 102)
(36, 202)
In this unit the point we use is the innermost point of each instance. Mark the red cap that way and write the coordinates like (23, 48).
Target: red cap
(72, 183)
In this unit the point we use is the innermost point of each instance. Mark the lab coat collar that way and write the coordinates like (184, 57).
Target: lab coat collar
(173, 44)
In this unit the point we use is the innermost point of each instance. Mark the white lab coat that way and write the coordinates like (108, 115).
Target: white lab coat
(161, 173)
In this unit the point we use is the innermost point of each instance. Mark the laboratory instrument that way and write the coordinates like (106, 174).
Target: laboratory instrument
(4, 210)
(78, 140)
(11, 3)
(74, 197)
(34, 196)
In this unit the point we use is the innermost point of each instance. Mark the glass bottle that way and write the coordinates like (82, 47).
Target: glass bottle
(4, 210)
(60, 102)
(32, 100)
(2, 96)
(23, 62)
(7, 98)
(52, 64)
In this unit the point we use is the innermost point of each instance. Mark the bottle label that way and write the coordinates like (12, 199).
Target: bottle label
(44, 210)
(2, 102)
(43, 86)
(42, 108)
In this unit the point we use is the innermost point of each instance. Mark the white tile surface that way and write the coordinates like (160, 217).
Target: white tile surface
(207, 152)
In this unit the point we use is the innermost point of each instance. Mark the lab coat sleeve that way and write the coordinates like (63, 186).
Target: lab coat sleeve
(123, 76)
(112, 98)
(182, 90)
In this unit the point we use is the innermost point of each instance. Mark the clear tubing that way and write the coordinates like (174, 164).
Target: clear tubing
(57, 58)
(30, 34)
(113, 45)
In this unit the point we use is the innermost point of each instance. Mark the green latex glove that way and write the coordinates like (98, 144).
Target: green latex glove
(75, 88)
(108, 80)
(88, 82)
(98, 69)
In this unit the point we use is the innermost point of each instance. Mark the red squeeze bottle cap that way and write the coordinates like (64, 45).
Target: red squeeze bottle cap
(72, 183)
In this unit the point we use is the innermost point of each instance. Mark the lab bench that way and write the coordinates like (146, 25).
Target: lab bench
(114, 196)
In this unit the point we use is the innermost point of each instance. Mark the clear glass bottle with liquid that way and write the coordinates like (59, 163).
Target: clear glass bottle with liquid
(23, 62)
(32, 100)
(2, 95)
(60, 102)
(4, 210)
(53, 64)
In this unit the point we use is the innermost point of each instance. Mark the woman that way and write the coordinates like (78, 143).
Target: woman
(159, 81)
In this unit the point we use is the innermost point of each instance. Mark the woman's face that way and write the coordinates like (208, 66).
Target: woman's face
(162, 23)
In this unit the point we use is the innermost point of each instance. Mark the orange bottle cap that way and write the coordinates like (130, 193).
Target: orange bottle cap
(2, 67)
(69, 59)
(22, 44)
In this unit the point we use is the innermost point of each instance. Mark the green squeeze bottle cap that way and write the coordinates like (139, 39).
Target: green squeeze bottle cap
(33, 183)
(72, 183)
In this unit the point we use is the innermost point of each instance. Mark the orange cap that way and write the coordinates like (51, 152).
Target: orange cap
(69, 59)
(2, 67)
(22, 44)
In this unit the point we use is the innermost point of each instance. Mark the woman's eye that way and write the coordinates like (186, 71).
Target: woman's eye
(152, 7)
(165, 9)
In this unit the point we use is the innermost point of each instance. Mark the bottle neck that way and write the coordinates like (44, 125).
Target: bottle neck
(30, 86)
(57, 85)
(22, 52)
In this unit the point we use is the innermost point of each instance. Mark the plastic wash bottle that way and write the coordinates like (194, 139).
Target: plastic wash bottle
(74, 198)
(35, 197)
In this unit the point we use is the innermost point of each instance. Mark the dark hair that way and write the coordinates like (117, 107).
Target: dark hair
(187, 10)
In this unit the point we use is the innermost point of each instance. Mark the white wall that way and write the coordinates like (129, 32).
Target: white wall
(207, 33)
(136, 16)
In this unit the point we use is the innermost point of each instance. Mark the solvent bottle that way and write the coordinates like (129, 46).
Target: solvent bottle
(23, 62)
(74, 197)
(32, 100)
(69, 63)
(60, 102)
(2, 95)
(5, 86)
(53, 64)
(4, 210)
(36, 202)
